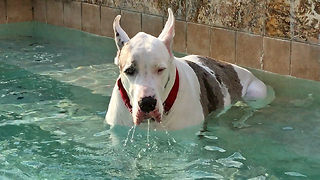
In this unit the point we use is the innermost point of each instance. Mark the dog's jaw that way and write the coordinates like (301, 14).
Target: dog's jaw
(139, 116)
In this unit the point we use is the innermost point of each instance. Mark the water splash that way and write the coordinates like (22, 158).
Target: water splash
(148, 134)
(296, 174)
(214, 148)
(230, 161)
(126, 141)
(134, 130)
(164, 129)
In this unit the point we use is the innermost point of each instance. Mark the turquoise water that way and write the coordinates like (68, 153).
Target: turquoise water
(56, 85)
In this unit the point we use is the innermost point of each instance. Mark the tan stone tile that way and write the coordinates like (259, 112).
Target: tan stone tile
(40, 10)
(19, 11)
(277, 22)
(91, 18)
(55, 12)
(72, 14)
(249, 50)
(107, 17)
(244, 15)
(179, 41)
(2, 12)
(198, 39)
(276, 56)
(131, 22)
(305, 61)
(223, 46)
(158, 7)
(306, 21)
(152, 25)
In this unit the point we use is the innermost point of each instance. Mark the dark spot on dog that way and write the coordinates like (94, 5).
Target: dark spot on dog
(165, 86)
(211, 97)
(132, 70)
(218, 78)
(117, 34)
(224, 73)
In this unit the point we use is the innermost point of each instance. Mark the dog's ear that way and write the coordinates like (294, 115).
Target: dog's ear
(120, 36)
(167, 33)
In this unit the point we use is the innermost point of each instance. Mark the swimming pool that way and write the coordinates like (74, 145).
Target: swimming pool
(55, 87)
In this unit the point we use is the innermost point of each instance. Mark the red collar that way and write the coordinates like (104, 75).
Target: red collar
(166, 105)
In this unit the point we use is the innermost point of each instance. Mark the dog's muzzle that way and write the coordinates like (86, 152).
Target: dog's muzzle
(147, 104)
(147, 107)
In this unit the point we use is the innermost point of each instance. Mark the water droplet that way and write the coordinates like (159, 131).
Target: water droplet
(134, 130)
(148, 133)
(229, 162)
(211, 137)
(214, 148)
(125, 141)
(167, 133)
(295, 174)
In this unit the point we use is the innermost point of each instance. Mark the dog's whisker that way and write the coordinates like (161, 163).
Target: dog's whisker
(126, 141)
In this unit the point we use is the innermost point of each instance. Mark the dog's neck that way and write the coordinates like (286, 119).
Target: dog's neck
(168, 103)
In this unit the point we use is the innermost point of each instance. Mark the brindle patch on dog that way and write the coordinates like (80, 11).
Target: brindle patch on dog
(225, 73)
(211, 98)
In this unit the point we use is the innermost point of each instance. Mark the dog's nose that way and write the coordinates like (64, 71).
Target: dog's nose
(147, 104)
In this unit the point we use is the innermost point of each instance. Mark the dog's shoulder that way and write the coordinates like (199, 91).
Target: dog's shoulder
(219, 82)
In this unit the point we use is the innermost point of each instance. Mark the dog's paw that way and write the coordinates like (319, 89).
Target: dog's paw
(240, 125)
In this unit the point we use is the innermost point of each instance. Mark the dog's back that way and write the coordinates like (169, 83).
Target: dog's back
(219, 82)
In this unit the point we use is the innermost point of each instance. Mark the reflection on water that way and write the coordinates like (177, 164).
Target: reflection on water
(53, 99)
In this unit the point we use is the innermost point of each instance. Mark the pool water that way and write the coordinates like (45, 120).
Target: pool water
(56, 84)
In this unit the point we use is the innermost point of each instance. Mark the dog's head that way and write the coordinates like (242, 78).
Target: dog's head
(147, 70)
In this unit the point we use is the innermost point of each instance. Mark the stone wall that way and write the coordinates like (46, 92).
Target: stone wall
(280, 36)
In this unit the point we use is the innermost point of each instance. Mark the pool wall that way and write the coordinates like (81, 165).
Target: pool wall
(276, 36)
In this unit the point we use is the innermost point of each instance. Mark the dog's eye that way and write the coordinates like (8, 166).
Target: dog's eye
(160, 70)
(130, 71)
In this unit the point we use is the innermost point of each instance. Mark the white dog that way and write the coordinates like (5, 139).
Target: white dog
(178, 92)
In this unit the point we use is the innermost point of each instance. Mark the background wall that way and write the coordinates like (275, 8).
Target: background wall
(280, 36)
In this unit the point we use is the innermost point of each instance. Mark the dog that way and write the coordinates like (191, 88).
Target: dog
(174, 93)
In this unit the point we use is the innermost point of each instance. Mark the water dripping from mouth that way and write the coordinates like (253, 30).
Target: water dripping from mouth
(164, 128)
(167, 133)
(126, 141)
(148, 134)
(134, 130)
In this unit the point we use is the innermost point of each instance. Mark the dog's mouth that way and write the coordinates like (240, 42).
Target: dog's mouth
(142, 117)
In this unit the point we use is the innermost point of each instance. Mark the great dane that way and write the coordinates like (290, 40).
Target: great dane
(170, 92)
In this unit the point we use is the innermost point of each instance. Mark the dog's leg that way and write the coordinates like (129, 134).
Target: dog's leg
(212, 115)
(256, 92)
(204, 126)
(241, 123)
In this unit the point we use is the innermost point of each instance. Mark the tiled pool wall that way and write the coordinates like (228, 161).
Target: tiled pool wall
(280, 36)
